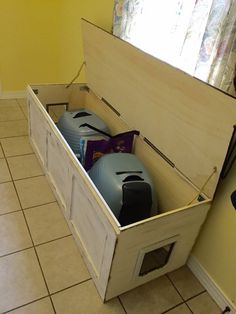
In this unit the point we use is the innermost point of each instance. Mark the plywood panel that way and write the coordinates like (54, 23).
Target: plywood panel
(189, 121)
(59, 93)
(94, 231)
(173, 191)
(38, 131)
(116, 125)
(58, 167)
(88, 225)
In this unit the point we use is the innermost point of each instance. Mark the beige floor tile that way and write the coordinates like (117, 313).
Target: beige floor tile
(9, 200)
(24, 166)
(84, 299)
(21, 280)
(186, 283)
(13, 128)
(62, 264)
(11, 113)
(8, 103)
(43, 306)
(156, 297)
(203, 304)
(15, 146)
(22, 101)
(14, 234)
(1, 153)
(4, 172)
(181, 309)
(46, 223)
(34, 192)
(24, 107)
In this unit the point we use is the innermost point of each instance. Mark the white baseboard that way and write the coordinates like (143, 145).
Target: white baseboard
(210, 285)
(13, 94)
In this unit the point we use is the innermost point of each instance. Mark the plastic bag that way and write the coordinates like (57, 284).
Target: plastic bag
(120, 143)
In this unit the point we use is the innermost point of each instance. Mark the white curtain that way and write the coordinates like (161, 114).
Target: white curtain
(197, 36)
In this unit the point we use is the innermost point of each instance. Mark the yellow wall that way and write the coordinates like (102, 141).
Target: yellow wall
(40, 40)
(216, 246)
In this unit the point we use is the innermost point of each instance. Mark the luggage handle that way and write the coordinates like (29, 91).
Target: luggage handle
(82, 114)
(135, 132)
(95, 129)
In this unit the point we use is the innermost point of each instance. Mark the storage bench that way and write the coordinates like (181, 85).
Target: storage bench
(185, 130)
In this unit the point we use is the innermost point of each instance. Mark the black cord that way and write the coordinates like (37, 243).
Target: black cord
(230, 159)
(226, 310)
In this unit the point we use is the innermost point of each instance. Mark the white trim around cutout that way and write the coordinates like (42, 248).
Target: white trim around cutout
(210, 285)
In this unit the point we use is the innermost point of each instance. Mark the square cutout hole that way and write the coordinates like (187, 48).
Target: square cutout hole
(156, 259)
(56, 110)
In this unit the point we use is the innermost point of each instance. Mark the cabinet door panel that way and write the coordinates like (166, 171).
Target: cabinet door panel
(94, 232)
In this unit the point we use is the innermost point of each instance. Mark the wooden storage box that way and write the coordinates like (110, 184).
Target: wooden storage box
(186, 127)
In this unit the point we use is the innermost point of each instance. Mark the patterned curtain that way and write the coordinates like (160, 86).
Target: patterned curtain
(217, 57)
(126, 13)
(206, 47)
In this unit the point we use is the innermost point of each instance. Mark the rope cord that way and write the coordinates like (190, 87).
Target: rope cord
(77, 75)
(204, 185)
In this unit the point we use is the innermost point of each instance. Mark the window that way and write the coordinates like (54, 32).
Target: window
(197, 36)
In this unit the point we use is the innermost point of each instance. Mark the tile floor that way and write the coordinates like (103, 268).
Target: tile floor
(41, 269)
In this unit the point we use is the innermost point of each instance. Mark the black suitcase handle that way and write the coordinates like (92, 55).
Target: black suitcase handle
(106, 134)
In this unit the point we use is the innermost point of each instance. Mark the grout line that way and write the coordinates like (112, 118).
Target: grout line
(32, 207)
(4, 156)
(121, 303)
(60, 238)
(19, 155)
(9, 137)
(8, 213)
(172, 308)
(189, 307)
(74, 285)
(35, 251)
(9, 168)
(15, 136)
(34, 245)
(167, 275)
(26, 208)
(195, 296)
(2, 182)
(21, 119)
(41, 175)
(10, 157)
(22, 109)
(18, 251)
(44, 278)
(48, 296)
(185, 301)
(19, 307)
(36, 176)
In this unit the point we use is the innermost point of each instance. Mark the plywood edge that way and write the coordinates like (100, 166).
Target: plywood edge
(173, 189)
(166, 214)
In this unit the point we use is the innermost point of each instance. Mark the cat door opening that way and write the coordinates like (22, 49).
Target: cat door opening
(156, 259)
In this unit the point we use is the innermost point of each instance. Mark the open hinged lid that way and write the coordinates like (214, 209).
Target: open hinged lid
(188, 121)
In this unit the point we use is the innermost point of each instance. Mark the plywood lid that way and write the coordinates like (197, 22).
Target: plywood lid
(190, 122)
